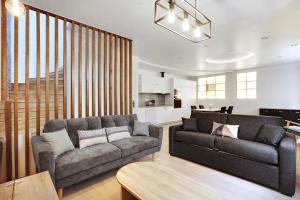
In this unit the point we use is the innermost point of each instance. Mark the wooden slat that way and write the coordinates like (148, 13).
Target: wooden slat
(8, 139)
(105, 73)
(65, 71)
(27, 86)
(80, 73)
(130, 78)
(87, 95)
(16, 91)
(72, 70)
(56, 70)
(3, 52)
(99, 74)
(38, 73)
(47, 97)
(93, 75)
(121, 78)
(110, 74)
(115, 76)
(126, 77)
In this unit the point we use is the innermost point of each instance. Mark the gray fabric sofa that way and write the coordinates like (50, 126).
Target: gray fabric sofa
(272, 166)
(81, 164)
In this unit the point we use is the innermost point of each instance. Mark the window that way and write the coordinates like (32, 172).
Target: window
(246, 85)
(211, 87)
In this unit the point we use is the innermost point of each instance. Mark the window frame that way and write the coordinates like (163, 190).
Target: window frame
(211, 82)
(246, 82)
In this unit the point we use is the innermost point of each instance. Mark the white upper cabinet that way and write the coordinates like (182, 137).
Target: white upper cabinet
(152, 84)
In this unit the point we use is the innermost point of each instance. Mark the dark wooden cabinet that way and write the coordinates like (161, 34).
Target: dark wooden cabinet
(286, 114)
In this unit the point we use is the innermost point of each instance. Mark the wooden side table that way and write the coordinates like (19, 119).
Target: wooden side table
(35, 187)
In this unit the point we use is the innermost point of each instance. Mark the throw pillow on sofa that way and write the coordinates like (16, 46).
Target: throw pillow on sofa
(225, 130)
(141, 128)
(59, 141)
(270, 134)
(117, 133)
(189, 124)
(91, 137)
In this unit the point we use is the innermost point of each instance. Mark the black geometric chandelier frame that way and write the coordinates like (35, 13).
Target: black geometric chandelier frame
(182, 18)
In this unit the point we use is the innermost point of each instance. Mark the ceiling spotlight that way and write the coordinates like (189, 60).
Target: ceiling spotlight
(185, 24)
(171, 15)
(15, 7)
(264, 37)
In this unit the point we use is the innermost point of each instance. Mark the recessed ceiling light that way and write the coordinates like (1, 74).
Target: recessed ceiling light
(230, 57)
(279, 56)
(265, 37)
(294, 45)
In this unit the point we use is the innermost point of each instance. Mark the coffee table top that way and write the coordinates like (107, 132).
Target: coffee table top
(152, 181)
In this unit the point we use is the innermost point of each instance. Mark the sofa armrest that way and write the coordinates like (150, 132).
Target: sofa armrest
(43, 156)
(157, 132)
(172, 131)
(287, 165)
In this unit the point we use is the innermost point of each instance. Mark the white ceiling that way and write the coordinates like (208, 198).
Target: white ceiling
(237, 26)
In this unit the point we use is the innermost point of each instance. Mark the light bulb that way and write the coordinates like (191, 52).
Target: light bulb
(197, 32)
(171, 17)
(15, 7)
(185, 24)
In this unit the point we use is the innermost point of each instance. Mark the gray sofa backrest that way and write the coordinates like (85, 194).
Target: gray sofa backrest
(89, 123)
(205, 120)
(250, 125)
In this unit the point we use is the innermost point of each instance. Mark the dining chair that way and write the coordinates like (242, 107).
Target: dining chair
(193, 107)
(223, 109)
(229, 111)
(201, 106)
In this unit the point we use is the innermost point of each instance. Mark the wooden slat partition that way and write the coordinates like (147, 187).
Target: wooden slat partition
(121, 78)
(16, 92)
(56, 70)
(80, 73)
(46, 90)
(99, 74)
(130, 78)
(126, 77)
(93, 74)
(110, 75)
(65, 71)
(72, 70)
(87, 74)
(38, 73)
(115, 76)
(47, 97)
(27, 85)
(105, 73)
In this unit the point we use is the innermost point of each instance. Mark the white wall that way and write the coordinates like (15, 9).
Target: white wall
(277, 87)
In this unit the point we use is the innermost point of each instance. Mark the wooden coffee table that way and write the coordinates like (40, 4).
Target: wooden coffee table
(152, 181)
(35, 187)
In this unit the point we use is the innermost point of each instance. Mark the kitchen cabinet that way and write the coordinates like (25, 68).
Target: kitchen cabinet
(152, 84)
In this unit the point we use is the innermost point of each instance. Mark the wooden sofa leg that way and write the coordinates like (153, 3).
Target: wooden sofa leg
(153, 156)
(60, 193)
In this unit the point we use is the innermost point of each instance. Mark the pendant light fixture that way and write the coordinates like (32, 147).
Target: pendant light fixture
(15, 7)
(182, 18)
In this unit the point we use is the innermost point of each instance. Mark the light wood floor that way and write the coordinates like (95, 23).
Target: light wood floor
(106, 187)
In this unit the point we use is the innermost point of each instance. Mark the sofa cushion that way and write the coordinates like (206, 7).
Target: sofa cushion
(247, 149)
(205, 120)
(79, 160)
(108, 121)
(270, 134)
(55, 125)
(250, 125)
(73, 126)
(94, 123)
(135, 144)
(196, 138)
(125, 120)
(189, 124)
